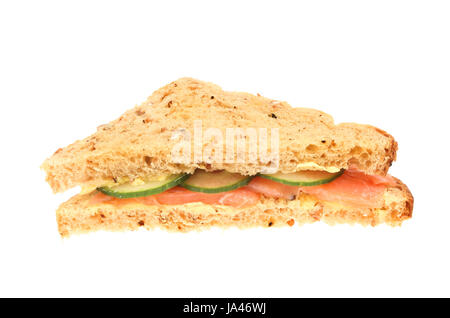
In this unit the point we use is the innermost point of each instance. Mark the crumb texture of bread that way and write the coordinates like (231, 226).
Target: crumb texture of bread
(78, 216)
(140, 142)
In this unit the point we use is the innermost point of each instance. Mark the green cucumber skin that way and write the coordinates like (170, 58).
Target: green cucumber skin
(234, 186)
(303, 184)
(144, 193)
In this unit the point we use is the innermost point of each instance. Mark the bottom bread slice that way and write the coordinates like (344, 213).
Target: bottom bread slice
(78, 215)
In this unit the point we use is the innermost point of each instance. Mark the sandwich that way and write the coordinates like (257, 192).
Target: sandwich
(194, 156)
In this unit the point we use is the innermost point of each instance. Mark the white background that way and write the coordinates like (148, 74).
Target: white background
(67, 67)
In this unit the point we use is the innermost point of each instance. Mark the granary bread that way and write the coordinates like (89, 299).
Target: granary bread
(139, 142)
(139, 184)
(78, 215)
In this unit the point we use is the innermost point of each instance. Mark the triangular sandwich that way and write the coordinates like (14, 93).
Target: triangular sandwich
(194, 156)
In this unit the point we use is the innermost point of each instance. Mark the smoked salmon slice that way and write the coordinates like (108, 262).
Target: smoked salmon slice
(273, 189)
(352, 187)
(237, 198)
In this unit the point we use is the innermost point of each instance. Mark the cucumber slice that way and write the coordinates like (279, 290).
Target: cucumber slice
(303, 178)
(215, 182)
(129, 190)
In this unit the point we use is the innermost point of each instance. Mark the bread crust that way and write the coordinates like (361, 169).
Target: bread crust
(406, 211)
(139, 142)
(78, 216)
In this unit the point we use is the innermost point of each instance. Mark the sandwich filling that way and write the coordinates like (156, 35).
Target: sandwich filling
(350, 187)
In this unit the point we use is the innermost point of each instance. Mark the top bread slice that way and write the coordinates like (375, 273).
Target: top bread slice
(139, 143)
